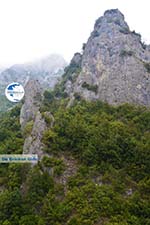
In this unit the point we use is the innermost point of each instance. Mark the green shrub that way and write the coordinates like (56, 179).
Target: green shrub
(48, 96)
(147, 66)
(126, 53)
(77, 96)
(28, 128)
(143, 45)
(47, 118)
(125, 30)
(89, 87)
(95, 34)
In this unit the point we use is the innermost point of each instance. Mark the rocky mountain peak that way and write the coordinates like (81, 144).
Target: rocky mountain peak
(112, 19)
(113, 14)
(115, 65)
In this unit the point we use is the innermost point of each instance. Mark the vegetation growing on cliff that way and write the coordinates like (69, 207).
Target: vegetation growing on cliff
(89, 87)
(112, 183)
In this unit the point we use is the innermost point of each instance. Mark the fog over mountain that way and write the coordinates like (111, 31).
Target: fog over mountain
(47, 71)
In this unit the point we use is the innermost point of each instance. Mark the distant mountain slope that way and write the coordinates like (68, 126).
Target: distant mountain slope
(47, 71)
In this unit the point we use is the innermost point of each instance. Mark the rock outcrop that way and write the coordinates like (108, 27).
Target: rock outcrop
(115, 65)
(32, 102)
(32, 123)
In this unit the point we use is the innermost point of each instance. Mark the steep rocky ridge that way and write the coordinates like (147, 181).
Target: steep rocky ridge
(32, 101)
(115, 65)
(32, 123)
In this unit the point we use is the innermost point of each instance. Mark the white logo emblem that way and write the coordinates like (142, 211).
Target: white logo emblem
(14, 92)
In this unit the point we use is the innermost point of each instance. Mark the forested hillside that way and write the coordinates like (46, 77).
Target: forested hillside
(96, 170)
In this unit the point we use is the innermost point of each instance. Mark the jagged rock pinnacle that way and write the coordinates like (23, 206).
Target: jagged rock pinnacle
(115, 65)
(32, 122)
(113, 13)
(111, 18)
(32, 101)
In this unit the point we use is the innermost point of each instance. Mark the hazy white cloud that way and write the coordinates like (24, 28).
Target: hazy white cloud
(35, 28)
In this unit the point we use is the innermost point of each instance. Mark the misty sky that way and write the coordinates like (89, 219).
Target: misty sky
(31, 29)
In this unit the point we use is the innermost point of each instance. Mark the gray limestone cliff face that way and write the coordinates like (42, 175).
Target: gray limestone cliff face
(115, 65)
(32, 123)
(32, 101)
(33, 143)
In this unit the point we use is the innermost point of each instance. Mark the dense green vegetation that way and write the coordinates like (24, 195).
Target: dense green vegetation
(112, 184)
(99, 134)
(5, 104)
